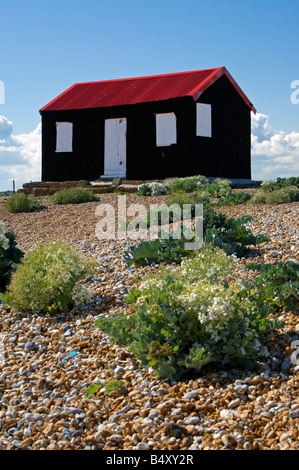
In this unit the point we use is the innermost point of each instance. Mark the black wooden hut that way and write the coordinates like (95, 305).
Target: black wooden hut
(145, 128)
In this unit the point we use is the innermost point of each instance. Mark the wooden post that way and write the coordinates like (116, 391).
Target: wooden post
(14, 186)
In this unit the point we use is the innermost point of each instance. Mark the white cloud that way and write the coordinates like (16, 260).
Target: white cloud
(5, 128)
(274, 153)
(20, 156)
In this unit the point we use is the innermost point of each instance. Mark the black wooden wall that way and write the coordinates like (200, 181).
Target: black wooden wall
(144, 159)
(228, 153)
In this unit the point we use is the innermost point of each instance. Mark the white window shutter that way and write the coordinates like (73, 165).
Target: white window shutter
(166, 132)
(203, 120)
(64, 136)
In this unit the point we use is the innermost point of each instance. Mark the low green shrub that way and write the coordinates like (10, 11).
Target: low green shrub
(21, 203)
(232, 199)
(219, 187)
(279, 196)
(279, 183)
(292, 192)
(152, 189)
(10, 256)
(73, 196)
(269, 186)
(144, 190)
(197, 197)
(188, 184)
(279, 283)
(47, 280)
(259, 198)
(191, 316)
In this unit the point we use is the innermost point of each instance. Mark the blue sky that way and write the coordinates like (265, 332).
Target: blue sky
(47, 46)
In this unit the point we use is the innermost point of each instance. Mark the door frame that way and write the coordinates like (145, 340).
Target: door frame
(115, 148)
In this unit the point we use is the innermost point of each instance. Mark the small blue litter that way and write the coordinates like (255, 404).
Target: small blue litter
(73, 353)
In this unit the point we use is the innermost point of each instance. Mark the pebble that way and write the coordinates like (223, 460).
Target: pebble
(227, 414)
(49, 361)
(31, 346)
(234, 403)
(192, 420)
(228, 440)
(143, 446)
(190, 395)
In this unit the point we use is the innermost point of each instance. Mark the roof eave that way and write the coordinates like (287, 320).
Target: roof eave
(45, 108)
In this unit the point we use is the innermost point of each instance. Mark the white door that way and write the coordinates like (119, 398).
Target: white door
(115, 148)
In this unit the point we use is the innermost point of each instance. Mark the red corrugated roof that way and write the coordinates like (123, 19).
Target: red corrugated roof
(139, 90)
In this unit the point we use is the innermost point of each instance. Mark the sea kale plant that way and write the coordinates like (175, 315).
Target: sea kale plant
(232, 235)
(48, 280)
(278, 284)
(232, 199)
(152, 189)
(10, 256)
(190, 316)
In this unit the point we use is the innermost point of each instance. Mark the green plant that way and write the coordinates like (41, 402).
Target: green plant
(156, 251)
(232, 199)
(293, 193)
(10, 256)
(73, 196)
(93, 388)
(47, 280)
(197, 197)
(269, 186)
(191, 316)
(152, 189)
(219, 187)
(277, 196)
(21, 203)
(230, 234)
(144, 190)
(272, 185)
(113, 386)
(259, 198)
(278, 284)
(188, 184)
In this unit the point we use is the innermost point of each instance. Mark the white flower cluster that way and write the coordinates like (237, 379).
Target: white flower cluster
(4, 242)
(215, 307)
(81, 295)
(203, 265)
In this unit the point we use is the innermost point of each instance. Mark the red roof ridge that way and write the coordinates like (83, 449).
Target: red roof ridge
(144, 77)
